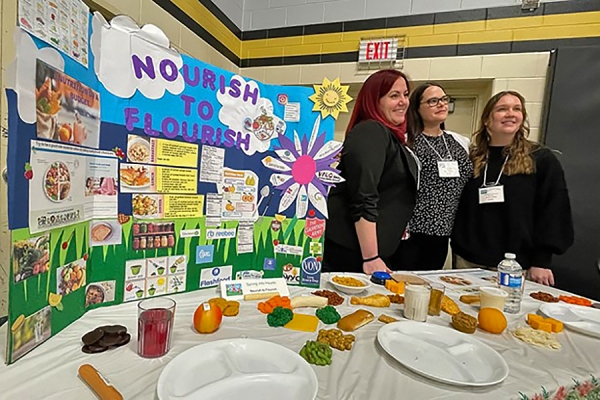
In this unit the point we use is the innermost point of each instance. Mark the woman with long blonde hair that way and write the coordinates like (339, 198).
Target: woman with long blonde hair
(517, 200)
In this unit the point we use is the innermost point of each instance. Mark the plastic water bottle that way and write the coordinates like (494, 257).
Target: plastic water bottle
(511, 280)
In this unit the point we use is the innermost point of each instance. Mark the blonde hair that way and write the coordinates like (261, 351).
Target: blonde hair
(519, 151)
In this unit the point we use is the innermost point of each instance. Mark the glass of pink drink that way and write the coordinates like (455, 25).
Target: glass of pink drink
(155, 324)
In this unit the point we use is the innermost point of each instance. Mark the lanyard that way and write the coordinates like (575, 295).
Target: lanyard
(433, 148)
(499, 175)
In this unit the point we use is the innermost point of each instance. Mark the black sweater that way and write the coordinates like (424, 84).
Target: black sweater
(380, 186)
(534, 221)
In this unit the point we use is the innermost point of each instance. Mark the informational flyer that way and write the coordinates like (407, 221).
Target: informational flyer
(70, 184)
(66, 110)
(146, 150)
(167, 206)
(211, 164)
(137, 178)
(213, 209)
(152, 277)
(240, 191)
(245, 242)
(63, 24)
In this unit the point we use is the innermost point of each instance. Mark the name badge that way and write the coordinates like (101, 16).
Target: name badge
(448, 169)
(492, 194)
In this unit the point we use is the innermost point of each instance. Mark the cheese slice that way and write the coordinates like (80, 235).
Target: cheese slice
(303, 323)
(534, 317)
(557, 326)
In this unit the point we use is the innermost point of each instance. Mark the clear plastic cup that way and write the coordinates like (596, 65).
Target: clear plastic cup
(416, 302)
(435, 300)
(155, 325)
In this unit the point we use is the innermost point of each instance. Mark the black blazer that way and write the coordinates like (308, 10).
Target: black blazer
(381, 186)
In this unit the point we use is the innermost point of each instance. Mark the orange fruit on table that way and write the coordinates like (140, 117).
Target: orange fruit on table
(492, 320)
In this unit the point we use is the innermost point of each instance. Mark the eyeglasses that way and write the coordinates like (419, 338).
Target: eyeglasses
(434, 101)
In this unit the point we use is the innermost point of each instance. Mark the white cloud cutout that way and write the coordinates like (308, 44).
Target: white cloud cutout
(114, 44)
(257, 120)
(20, 75)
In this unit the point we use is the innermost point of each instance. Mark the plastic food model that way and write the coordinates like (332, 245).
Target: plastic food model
(207, 318)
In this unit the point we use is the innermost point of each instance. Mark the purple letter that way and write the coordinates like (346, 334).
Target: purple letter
(148, 126)
(169, 76)
(207, 135)
(148, 67)
(229, 138)
(205, 115)
(187, 102)
(234, 91)
(251, 94)
(186, 76)
(131, 117)
(184, 132)
(170, 133)
(245, 141)
(208, 79)
(222, 84)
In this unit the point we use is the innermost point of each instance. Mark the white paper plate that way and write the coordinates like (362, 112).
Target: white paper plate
(233, 369)
(581, 319)
(443, 354)
(350, 289)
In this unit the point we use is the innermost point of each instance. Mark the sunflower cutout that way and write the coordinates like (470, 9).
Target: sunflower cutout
(330, 98)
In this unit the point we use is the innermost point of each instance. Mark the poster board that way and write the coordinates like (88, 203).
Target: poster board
(152, 173)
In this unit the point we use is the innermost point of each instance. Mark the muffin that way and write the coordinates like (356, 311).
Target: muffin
(464, 322)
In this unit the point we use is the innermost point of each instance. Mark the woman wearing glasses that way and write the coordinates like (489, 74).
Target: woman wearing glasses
(517, 201)
(368, 212)
(445, 169)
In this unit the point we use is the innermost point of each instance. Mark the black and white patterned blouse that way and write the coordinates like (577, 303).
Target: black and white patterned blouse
(437, 198)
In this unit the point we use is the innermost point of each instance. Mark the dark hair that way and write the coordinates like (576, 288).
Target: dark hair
(415, 121)
(520, 160)
(367, 102)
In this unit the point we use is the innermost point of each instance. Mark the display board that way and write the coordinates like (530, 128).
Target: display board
(151, 173)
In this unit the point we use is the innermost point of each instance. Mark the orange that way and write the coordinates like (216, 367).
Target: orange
(492, 320)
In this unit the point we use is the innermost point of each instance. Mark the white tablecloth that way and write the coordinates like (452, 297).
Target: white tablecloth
(366, 372)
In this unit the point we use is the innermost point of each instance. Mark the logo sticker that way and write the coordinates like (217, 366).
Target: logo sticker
(291, 274)
(282, 99)
(217, 234)
(212, 276)
(250, 274)
(275, 225)
(269, 264)
(316, 248)
(314, 228)
(311, 271)
(204, 254)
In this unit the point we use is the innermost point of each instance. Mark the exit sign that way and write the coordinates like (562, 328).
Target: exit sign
(374, 50)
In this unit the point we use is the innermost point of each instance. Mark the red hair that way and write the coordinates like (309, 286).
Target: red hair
(367, 102)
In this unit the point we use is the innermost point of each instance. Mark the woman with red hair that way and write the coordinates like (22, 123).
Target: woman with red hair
(369, 211)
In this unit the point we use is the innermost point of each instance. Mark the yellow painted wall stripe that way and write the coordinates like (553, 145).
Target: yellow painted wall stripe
(546, 27)
(196, 10)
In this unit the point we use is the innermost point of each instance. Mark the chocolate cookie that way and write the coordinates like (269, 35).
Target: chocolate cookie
(93, 348)
(124, 339)
(109, 340)
(114, 329)
(92, 336)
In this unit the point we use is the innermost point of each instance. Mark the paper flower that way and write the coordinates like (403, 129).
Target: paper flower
(304, 170)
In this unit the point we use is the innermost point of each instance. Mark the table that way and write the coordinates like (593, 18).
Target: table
(366, 372)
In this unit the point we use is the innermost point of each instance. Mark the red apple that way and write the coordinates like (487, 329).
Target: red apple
(207, 318)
